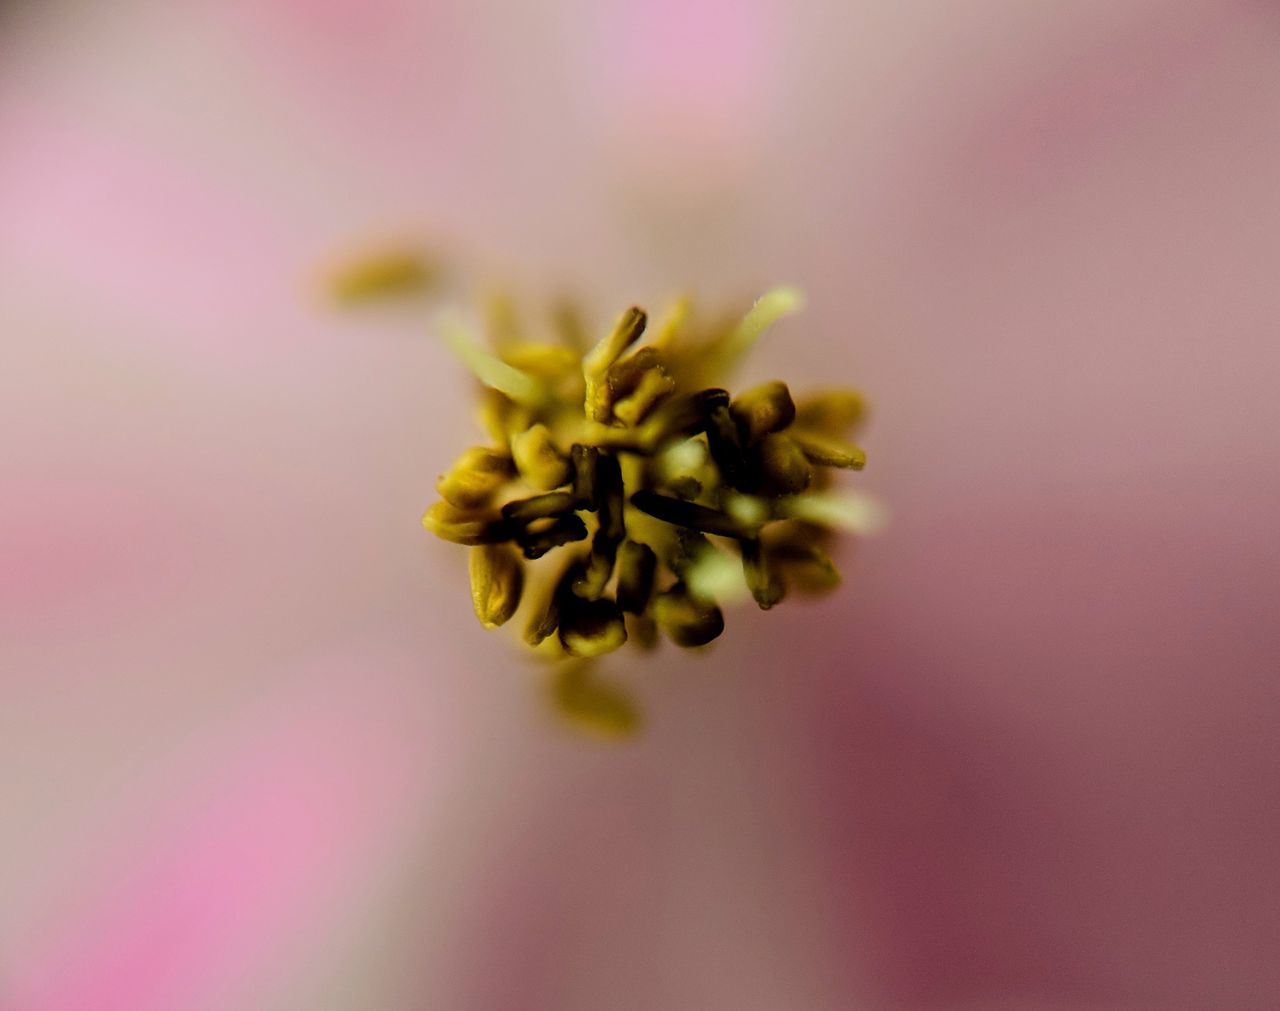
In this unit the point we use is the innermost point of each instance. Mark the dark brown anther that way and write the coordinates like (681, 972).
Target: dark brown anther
(609, 499)
(690, 545)
(564, 530)
(687, 415)
(528, 509)
(637, 565)
(684, 619)
(599, 567)
(590, 627)
(585, 460)
(763, 409)
(726, 450)
(687, 488)
(692, 515)
(763, 582)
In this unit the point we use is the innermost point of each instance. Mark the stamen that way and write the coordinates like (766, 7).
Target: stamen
(609, 500)
(636, 383)
(768, 309)
(539, 461)
(585, 460)
(685, 620)
(693, 464)
(673, 322)
(637, 565)
(805, 568)
(550, 504)
(547, 618)
(765, 585)
(474, 477)
(784, 468)
(692, 515)
(489, 369)
(682, 416)
(827, 452)
(625, 332)
(565, 530)
(762, 410)
(599, 570)
(452, 524)
(590, 628)
(497, 579)
(722, 440)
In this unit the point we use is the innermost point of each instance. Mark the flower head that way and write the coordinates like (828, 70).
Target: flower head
(624, 496)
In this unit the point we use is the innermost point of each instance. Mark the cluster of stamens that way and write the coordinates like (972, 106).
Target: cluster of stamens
(652, 496)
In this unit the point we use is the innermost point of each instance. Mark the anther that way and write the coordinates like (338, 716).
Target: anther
(609, 497)
(497, 580)
(828, 452)
(550, 504)
(585, 460)
(722, 440)
(473, 478)
(547, 618)
(686, 620)
(637, 565)
(539, 461)
(461, 527)
(783, 467)
(595, 363)
(565, 530)
(763, 582)
(591, 628)
(763, 409)
(692, 515)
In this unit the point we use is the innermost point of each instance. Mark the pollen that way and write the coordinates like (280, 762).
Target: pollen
(624, 495)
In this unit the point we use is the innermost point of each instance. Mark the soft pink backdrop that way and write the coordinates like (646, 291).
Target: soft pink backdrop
(254, 752)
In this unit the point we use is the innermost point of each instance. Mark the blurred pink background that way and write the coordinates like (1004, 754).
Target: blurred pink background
(254, 751)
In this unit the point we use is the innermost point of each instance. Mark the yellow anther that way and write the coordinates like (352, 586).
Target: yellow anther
(497, 580)
(828, 452)
(450, 523)
(595, 364)
(541, 465)
(763, 409)
(474, 477)
(387, 273)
